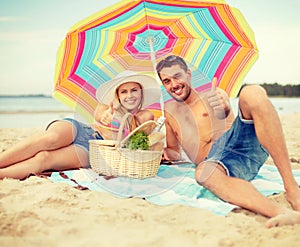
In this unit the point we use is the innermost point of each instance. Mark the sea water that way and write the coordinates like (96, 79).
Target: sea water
(283, 105)
(38, 111)
(30, 111)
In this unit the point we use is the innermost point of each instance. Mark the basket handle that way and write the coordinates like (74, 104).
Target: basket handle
(121, 128)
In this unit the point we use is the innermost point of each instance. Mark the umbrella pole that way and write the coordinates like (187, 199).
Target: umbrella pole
(152, 55)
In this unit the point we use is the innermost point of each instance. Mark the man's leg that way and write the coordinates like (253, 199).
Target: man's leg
(243, 194)
(254, 104)
(235, 190)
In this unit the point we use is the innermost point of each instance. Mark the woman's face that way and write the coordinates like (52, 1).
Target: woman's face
(130, 95)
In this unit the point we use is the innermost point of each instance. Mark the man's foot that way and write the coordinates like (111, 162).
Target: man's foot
(287, 218)
(293, 197)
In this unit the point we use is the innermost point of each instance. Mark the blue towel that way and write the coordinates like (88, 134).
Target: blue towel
(173, 185)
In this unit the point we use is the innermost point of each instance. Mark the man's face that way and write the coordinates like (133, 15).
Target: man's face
(177, 82)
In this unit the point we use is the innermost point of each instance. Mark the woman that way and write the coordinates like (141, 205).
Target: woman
(117, 99)
(64, 144)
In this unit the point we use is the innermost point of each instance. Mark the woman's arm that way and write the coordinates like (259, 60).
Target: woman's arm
(143, 116)
(103, 119)
(104, 114)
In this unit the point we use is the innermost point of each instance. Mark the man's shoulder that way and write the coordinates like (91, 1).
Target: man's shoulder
(171, 105)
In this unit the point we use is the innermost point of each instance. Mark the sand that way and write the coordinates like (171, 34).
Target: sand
(38, 212)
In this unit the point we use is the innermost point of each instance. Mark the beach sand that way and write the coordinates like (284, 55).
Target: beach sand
(38, 212)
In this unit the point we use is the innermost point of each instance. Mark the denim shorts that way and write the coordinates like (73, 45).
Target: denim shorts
(239, 151)
(83, 133)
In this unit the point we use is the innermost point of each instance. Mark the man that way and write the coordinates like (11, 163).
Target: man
(228, 151)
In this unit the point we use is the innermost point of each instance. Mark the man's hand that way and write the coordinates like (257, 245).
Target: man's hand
(216, 100)
(170, 154)
(107, 116)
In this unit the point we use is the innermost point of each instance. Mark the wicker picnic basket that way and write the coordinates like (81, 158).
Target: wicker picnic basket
(108, 157)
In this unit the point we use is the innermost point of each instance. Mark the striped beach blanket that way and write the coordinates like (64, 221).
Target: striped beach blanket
(173, 185)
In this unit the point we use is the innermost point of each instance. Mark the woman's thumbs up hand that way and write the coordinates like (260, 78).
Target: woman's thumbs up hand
(107, 116)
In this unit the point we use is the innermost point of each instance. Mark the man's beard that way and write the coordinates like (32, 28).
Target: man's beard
(185, 97)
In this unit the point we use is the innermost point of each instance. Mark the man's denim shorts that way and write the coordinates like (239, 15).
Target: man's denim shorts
(83, 133)
(239, 151)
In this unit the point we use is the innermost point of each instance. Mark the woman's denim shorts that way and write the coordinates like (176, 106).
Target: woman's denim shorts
(239, 151)
(83, 133)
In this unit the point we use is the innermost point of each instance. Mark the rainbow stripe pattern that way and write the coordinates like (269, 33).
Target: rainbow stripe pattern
(213, 37)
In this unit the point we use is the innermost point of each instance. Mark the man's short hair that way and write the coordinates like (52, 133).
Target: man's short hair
(170, 61)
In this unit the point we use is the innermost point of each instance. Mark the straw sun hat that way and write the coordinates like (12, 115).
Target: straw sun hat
(106, 92)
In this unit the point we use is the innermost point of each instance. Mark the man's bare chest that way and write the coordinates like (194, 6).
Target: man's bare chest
(193, 125)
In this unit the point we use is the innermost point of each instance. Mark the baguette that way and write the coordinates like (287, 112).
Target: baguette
(155, 137)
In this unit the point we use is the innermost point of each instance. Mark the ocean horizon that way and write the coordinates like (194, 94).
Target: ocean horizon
(39, 110)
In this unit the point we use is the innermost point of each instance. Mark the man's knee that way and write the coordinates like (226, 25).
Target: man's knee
(253, 93)
(253, 98)
(204, 171)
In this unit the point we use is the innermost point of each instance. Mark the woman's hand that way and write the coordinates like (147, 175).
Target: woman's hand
(107, 116)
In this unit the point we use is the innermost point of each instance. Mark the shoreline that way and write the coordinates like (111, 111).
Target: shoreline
(35, 112)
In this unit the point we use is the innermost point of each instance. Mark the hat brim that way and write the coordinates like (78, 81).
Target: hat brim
(152, 92)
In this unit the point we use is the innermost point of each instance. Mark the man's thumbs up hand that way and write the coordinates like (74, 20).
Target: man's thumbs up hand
(216, 100)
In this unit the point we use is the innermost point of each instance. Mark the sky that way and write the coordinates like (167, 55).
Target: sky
(32, 30)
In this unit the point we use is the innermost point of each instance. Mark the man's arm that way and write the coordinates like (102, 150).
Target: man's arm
(172, 150)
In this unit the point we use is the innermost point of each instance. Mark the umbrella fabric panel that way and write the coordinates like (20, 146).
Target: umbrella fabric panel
(214, 39)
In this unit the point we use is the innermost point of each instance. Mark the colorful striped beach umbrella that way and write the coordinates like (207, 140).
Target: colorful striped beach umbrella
(213, 37)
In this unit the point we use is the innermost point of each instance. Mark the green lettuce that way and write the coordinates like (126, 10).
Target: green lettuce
(138, 140)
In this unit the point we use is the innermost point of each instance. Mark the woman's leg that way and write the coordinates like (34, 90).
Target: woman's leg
(59, 134)
(64, 158)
